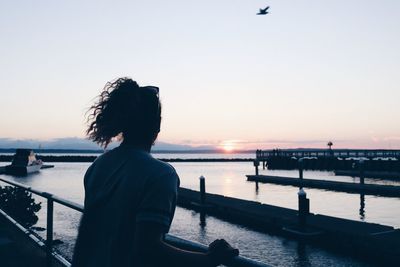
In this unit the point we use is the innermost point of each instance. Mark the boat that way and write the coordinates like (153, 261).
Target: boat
(24, 163)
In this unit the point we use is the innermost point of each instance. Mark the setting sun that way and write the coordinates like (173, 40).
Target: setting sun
(228, 146)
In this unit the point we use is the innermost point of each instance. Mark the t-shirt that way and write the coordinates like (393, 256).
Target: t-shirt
(122, 187)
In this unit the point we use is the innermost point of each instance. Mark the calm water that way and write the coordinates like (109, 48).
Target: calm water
(229, 179)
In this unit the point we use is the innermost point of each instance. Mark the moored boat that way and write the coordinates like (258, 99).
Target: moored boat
(23, 163)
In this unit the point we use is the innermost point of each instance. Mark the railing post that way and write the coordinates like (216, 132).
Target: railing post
(49, 233)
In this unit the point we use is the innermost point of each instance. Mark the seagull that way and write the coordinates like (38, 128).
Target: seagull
(263, 11)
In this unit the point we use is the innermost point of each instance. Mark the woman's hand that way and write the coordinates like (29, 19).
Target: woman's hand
(220, 251)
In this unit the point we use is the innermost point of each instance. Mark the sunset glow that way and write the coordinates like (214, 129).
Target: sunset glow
(229, 146)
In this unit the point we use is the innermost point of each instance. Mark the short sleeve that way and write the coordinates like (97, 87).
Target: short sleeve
(159, 200)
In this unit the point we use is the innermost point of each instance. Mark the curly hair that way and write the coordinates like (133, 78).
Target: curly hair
(123, 107)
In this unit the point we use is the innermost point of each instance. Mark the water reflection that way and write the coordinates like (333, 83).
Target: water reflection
(203, 222)
(362, 207)
(227, 185)
(302, 259)
(257, 189)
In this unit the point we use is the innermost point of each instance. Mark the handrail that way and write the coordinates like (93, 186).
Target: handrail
(238, 261)
(189, 245)
(46, 195)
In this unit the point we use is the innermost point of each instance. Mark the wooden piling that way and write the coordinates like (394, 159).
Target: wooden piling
(202, 190)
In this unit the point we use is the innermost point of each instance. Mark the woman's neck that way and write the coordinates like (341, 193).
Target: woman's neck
(136, 145)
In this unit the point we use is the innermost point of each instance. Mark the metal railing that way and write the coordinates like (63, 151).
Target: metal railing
(52, 254)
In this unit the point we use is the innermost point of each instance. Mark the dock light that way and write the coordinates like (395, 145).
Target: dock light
(302, 193)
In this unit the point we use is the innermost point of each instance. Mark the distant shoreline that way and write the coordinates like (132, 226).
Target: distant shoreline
(76, 158)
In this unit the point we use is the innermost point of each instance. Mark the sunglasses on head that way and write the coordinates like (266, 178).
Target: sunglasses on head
(153, 89)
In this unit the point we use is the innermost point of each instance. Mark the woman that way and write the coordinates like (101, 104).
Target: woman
(130, 197)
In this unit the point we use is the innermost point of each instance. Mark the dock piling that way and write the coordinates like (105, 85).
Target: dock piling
(256, 164)
(304, 207)
(300, 165)
(202, 190)
(361, 169)
(202, 201)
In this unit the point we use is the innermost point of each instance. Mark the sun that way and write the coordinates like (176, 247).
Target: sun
(228, 146)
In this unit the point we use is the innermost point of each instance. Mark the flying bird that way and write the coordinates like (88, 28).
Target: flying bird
(263, 11)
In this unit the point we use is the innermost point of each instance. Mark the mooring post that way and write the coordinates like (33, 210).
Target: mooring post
(202, 190)
(202, 201)
(304, 202)
(361, 168)
(304, 207)
(256, 164)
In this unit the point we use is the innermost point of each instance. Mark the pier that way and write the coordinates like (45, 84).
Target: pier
(337, 153)
(359, 188)
(329, 159)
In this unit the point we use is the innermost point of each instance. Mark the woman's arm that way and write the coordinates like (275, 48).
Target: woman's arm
(150, 248)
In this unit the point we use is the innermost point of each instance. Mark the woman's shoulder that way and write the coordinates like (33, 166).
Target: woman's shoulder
(161, 168)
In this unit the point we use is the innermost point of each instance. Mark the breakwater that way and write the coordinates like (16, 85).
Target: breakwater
(375, 242)
(79, 158)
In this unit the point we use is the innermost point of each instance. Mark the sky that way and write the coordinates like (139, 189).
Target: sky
(308, 72)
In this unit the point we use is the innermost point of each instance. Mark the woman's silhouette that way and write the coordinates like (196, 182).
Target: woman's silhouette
(130, 197)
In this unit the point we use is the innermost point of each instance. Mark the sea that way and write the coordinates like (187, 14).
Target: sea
(229, 179)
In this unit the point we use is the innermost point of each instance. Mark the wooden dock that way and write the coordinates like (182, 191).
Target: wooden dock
(374, 242)
(366, 189)
(329, 159)
(395, 176)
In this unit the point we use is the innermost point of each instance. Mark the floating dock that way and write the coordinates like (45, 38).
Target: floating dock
(370, 241)
(366, 189)
(395, 176)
